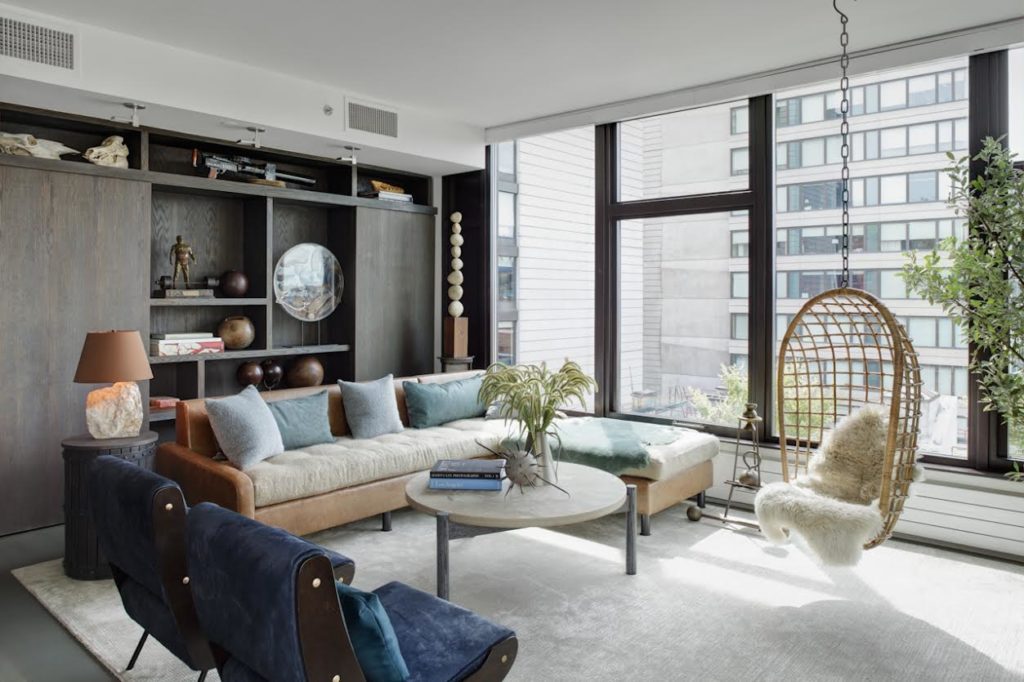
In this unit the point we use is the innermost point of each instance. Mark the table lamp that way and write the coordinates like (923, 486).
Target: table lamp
(116, 357)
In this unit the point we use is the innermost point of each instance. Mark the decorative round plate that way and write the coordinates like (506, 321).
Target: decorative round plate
(308, 282)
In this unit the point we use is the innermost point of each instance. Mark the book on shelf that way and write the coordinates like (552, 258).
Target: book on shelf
(162, 402)
(485, 469)
(181, 336)
(183, 293)
(387, 196)
(186, 347)
(465, 484)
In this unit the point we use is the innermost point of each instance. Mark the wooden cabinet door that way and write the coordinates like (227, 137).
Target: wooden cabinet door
(395, 285)
(75, 252)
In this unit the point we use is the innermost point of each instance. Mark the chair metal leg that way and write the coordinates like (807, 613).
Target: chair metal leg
(701, 500)
(138, 650)
(645, 524)
(631, 530)
(442, 555)
(385, 521)
(202, 675)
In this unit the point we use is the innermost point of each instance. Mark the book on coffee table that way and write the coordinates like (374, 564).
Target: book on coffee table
(467, 469)
(465, 484)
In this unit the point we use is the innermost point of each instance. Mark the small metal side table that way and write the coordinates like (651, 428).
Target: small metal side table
(463, 364)
(82, 557)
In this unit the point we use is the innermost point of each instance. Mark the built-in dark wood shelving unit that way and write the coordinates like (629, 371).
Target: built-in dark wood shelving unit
(384, 323)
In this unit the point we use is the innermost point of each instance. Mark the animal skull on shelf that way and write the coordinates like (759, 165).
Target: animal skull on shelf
(113, 152)
(24, 144)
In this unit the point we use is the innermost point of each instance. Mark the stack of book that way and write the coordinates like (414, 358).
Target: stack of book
(388, 196)
(467, 474)
(163, 345)
(162, 402)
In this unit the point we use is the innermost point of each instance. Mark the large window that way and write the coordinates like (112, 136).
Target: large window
(898, 198)
(704, 258)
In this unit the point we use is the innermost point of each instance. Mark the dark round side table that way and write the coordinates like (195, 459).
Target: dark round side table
(82, 557)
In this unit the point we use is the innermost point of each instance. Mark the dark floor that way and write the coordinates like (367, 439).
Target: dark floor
(33, 645)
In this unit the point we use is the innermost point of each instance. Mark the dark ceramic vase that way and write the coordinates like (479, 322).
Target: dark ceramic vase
(249, 374)
(234, 284)
(273, 373)
(305, 371)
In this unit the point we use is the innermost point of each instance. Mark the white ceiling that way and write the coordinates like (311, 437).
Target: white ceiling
(492, 62)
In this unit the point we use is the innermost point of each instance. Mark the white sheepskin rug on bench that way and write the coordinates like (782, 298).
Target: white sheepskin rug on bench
(834, 505)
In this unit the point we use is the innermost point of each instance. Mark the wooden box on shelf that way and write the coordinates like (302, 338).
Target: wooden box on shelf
(455, 341)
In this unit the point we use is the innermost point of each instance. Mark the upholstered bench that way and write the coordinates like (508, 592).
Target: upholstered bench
(678, 461)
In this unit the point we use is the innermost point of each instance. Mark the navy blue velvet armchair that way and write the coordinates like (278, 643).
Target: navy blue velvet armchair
(140, 525)
(267, 601)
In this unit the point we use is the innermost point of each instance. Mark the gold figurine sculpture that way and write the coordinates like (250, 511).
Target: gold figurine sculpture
(181, 253)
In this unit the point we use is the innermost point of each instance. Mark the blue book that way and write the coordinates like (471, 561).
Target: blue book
(465, 484)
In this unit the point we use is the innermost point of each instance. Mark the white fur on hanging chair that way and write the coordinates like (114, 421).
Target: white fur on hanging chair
(834, 506)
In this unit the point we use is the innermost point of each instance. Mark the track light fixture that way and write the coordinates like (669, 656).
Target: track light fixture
(351, 158)
(134, 118)
(255, 142)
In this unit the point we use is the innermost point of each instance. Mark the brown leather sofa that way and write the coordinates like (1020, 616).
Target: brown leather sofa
(333, 484)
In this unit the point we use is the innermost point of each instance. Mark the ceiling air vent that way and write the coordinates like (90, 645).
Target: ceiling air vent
(37, 44)
(372, 118)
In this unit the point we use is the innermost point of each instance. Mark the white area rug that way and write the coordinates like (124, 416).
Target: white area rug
(708, 604)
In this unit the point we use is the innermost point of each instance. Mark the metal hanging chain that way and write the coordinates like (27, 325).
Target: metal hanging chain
(844, 129)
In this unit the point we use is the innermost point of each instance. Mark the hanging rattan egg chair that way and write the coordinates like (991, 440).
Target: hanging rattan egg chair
(845, 350)
(842, 351)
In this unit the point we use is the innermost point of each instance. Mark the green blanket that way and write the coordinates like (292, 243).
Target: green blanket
(613, 445)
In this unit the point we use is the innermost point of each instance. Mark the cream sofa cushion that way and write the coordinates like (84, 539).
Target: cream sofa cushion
(347, 461)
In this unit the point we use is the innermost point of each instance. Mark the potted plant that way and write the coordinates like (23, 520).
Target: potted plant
(532, 395)
(978, 279)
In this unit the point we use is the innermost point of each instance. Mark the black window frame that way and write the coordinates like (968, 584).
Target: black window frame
(756, 200)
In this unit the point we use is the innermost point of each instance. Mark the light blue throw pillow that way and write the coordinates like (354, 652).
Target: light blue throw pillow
(245, 428)
(372, 635)
(371, 407)
(302, 421)
(440, 403)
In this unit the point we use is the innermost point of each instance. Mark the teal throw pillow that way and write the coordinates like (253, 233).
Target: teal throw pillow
(372, 635)
(371, 407)
(434, 404)
(302, 421)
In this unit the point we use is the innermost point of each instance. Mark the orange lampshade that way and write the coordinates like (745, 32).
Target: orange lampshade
(108, 357)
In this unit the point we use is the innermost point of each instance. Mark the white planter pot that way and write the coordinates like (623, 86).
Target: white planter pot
(542, 450)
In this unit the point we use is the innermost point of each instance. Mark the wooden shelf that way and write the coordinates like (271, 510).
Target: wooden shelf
(173, 182)
(197, 302)
(245, 354)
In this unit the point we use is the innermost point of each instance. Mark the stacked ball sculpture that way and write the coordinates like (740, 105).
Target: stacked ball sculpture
(455, 278)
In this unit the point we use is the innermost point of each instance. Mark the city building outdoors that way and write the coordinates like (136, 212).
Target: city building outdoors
(683, 314)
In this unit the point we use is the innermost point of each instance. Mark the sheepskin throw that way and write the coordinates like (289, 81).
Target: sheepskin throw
(833, 506)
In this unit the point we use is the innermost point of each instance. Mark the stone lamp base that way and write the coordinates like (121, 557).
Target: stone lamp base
(115, 411)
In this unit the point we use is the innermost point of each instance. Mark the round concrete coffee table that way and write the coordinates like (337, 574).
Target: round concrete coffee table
(592, 494)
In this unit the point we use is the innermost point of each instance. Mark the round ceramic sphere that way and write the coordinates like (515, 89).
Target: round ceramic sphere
(456, 252)
(305, 371)
(273, 373)
(455, 292)
(456, 229)
(456, 263)
(234, 284)
(455, 309)
(237, 332)
(249, 374)
(456, 240)
(694, 513)
(455, 277)
(456, 217)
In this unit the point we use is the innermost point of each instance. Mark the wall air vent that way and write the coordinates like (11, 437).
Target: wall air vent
(371, 118)
(37, 44)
